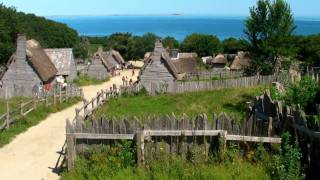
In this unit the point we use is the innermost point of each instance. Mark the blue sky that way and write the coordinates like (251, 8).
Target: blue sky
(301, 8)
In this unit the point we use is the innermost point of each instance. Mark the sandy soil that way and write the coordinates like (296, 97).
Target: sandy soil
(33, 154)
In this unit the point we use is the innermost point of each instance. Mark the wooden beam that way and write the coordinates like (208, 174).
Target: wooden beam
(182, 132)
(253, 139)
(307, 131)
(102, 136)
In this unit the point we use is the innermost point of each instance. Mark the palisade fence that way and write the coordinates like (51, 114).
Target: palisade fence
(207, 75)
(168, 134)
(193, 86)
(305, 129)
(55, 97)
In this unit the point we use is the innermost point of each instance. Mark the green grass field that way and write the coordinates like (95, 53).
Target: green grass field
(32, 119)
(85, 80)
(230, 101)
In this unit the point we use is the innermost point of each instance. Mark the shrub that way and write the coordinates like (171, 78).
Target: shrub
(302, 92)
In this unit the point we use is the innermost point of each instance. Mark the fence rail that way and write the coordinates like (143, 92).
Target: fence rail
(206, 75)
(24, 108)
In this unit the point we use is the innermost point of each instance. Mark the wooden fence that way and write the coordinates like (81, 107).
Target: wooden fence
(181, 87)
(207, 75)
(177, 134)
(24, 108)
(306, 129)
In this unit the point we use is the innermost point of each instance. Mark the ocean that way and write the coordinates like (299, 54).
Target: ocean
(178, 26)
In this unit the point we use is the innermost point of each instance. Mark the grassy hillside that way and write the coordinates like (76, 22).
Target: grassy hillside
(216, 101)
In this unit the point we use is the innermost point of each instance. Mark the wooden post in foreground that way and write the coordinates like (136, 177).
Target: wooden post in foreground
(54, 97)
(21, 108)
(140, 147)
(270, 127)
(8, 116)
(71, 151)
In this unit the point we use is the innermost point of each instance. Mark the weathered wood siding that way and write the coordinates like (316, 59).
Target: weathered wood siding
(156, 71)
(97, 70)
(20, 78)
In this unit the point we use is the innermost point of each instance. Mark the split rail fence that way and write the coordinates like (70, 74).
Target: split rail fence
(59, 95)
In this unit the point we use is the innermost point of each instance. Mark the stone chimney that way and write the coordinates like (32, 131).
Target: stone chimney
(21, 53)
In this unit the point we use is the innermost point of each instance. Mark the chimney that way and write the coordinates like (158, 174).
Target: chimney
(21, 48)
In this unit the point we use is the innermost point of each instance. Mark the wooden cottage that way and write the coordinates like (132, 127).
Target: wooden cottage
(115, 58)
(160, 68)
(27, 69)
(219, 61)
(101, 67)
(63, 60)
(241, 61)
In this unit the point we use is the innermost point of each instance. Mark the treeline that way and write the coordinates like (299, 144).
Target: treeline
(49, 33)
(134, 47)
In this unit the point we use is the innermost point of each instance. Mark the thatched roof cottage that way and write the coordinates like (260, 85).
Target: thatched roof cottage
(28, 68)
(241, 61)
(115, 58)
(63, 60)
(160, 68)
(102, 66)
(219, 61)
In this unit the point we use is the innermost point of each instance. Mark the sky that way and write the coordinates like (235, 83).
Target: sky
(301, 8)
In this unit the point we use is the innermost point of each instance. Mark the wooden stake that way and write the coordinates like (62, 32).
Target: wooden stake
(8, 116)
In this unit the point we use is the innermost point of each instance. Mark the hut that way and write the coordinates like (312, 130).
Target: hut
(207, 59)
(101, 67)
(162, 69)
(241, 61)
(115, 58)
(64, 62)
(219, 61)
(29, 68)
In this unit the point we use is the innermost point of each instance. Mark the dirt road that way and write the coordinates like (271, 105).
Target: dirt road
(33, 154)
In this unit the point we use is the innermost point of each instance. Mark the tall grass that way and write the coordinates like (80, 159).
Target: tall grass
(85, 80)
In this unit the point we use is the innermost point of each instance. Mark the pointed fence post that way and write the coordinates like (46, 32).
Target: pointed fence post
(54, 97)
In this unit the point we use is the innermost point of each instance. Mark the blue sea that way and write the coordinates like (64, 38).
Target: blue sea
(178, 26)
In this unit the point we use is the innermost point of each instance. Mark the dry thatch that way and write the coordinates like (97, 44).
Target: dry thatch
(241, 61)
(40, 61)
(187, 55)
(186, 65)
(220, 59)
(117, 56)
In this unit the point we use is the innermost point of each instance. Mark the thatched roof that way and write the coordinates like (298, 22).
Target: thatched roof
(103, 56)
(186, 65)
(40, 61)
(147, 56)
(117, 56)
(171, 67)
(240, 61)
(220, 59)
(62, 59)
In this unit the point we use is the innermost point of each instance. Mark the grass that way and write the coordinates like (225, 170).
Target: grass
(13, 103)
(119, 163)
(32, 119)
(85, 80)
(231, 101)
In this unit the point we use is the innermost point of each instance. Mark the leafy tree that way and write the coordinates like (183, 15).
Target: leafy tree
(269, 30)
(203, 45)
(170, 42)
(82, 49)
(119, 42)
(232, 45)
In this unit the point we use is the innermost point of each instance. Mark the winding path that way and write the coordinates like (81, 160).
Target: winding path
(34, 153)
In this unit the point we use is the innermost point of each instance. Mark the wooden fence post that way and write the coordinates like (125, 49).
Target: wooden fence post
(140, 147)
(71, 152)
(8, 116)
(270, 127)
(34, 102)
(60, 94)
(46, 100)
(54, 97)
(21, 108)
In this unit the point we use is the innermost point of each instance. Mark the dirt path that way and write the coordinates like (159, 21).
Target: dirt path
(33, 154)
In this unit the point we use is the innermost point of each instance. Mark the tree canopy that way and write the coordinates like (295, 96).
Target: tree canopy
(202, 44)
(269, 30)
(50, 34)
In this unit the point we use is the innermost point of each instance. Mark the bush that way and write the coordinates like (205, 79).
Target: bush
(302, 92)
(287, 164)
